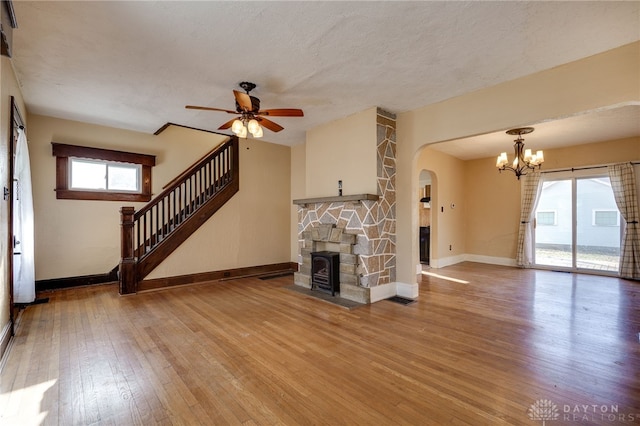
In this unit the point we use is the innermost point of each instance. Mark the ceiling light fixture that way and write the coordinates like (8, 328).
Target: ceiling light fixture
(252, 119)
(524, 160)
(247, 123)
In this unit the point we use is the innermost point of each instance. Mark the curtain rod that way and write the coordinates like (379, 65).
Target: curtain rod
(573, 169)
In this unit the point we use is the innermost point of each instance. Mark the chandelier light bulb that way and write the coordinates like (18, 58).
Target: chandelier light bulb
(243, 132)
(253, 126)
(237, 127)
(501, 160)
(527, 155)
(258, 133)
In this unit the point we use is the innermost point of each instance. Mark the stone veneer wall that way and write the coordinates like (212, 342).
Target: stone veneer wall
(385, 244)
(372, 222)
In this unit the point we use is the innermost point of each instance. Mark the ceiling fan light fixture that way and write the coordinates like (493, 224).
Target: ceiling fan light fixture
(251, 118)
(258, 133)
(253, 126)
(237, 126)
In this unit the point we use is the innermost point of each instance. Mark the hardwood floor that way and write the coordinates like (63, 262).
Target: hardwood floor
(485, 349)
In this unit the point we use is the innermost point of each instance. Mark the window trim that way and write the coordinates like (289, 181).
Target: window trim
(63, 152)
(594, 221)
(555, 218)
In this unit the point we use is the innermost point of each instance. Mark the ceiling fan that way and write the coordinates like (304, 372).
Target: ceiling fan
(252, 118)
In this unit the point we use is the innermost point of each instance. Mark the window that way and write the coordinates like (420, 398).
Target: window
(606, 218)
(587, 235)
(96, 175)
(546, 218)
(84, 173)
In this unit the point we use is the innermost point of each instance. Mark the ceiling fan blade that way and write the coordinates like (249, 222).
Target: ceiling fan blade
(274, 127)
(227, 125)
(210, 109)
(282, 112)
(243, 100)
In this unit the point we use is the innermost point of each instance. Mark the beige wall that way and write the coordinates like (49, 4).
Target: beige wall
(75, 237)
(253, 228)
(448, 204)
(493, 209)
(342, 150)
(298, 190)
(600, 81)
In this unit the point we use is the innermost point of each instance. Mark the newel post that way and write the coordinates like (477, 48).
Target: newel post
(128, 278)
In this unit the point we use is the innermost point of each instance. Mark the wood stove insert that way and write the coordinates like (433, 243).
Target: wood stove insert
(325, 271)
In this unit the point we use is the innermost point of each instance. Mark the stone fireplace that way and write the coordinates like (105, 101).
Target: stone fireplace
(329, 238)
(361, 227)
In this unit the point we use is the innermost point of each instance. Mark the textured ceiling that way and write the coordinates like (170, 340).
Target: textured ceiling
(136, 64)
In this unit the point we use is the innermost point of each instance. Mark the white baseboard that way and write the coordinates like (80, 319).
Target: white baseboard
(410, 291)
(491, 260)
(503, 261)
(385, 291)
(382, 292)
(446, 261)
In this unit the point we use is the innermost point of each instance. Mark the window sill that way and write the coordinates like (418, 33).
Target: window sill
(66, 194)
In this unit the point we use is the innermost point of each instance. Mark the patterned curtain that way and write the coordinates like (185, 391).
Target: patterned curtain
(531, 188)
(623, 183)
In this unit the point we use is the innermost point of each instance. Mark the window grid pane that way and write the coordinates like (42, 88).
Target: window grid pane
(123, 178)
(88, 175)
(96, 175)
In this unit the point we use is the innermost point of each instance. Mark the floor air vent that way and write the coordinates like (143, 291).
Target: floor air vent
(400, 300)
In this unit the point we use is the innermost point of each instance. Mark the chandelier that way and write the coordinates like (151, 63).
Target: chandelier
(524, 159)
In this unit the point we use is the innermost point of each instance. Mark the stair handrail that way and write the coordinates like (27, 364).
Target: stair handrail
(176, 182)
(196, 165)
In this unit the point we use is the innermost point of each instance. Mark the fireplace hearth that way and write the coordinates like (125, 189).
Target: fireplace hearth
(325, 271)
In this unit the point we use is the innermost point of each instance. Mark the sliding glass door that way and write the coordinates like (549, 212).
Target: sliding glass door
(577, 225)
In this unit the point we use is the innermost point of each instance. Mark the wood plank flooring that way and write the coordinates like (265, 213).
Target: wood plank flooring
(482, 350)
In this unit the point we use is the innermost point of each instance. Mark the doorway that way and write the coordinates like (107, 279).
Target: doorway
(424, 214)
(578, 225)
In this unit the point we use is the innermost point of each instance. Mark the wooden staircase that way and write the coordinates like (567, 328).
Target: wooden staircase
(152, 233)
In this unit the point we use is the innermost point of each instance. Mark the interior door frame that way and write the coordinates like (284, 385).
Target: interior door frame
(16, 122)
